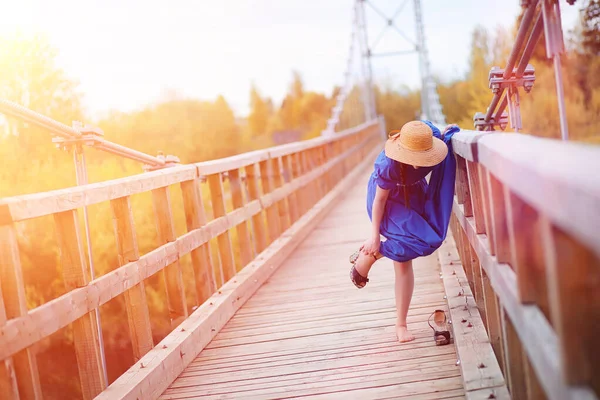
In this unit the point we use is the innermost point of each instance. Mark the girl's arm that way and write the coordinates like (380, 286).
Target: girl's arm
(371, 246)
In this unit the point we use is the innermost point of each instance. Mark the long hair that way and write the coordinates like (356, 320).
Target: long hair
(404, 183)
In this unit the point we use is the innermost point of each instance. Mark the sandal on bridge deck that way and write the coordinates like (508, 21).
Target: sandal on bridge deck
(441, 334)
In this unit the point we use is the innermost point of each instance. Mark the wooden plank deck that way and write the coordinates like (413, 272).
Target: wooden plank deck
(309, 332)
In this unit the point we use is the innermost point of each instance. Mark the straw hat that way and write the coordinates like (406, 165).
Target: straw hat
(415, 144)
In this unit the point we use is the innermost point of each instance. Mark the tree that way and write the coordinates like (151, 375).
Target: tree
(223, 130)
(259, 114)
(297, 89)
(479, 93)
(286, 115)
(31, 163)
(585, 61)
(590, 28)
(397, 106)
(29, 77)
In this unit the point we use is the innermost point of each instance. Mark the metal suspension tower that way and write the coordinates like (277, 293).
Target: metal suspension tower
(365, 60)
(430, 102)
(359, 35)
(431, 108)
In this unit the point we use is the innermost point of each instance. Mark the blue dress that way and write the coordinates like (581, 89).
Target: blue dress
(420, 229)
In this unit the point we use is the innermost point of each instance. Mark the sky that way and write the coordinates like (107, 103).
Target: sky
(128, 54)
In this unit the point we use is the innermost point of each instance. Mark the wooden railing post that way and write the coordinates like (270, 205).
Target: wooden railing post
(462, 243)
(337, 170)
(201, 258)
(258, 225)
(463, 186)
(498, 219)
(237, 198)
(573, 279)
(266, 173)
(492, 312)
(299, 170)
(458, 183)
(172, 274)
(13, 290)
(487, 209)
(138, 316)
(526, 251)
(478, 284)
(8, 379)
(331, 154)
(476, 196)
(322, 181)
(291, 171)
(514, 363)
(534, 389)
(326, 153)
(345, 163)
(85, 334)
(215, 184)
(282, 206)
(356, 156)
(310, 190)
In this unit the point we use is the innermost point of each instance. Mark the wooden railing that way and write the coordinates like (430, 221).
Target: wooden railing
(526, 223)
(275, 194)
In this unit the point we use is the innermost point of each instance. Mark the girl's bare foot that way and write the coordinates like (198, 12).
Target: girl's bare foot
(403, 334)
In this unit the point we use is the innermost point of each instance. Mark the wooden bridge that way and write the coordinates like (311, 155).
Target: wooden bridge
(277, 316)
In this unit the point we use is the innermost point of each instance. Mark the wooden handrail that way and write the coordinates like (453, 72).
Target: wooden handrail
(285, 171)
(19, 208)
(525, 221)
(559, 179)
(253, 157)
(464, 144)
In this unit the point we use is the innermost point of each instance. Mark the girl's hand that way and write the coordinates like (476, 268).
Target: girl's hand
(448, 127)
(371, 246)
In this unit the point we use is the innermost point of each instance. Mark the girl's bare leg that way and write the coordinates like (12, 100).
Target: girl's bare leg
(405, 283)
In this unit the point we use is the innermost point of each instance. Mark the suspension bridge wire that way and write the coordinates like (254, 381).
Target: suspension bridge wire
(393, 53)
(339, 119)
(382, 15)
(399, 10)
(389, 22)
(365, 59)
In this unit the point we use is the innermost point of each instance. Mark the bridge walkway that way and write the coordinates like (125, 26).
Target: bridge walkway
(309, 332)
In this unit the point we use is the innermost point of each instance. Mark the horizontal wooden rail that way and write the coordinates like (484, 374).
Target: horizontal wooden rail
(151, 375)
(288, 171)
(19, 208)
(525, 221)
(242, 160)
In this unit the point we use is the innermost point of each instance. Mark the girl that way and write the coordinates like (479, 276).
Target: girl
(410, 213)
